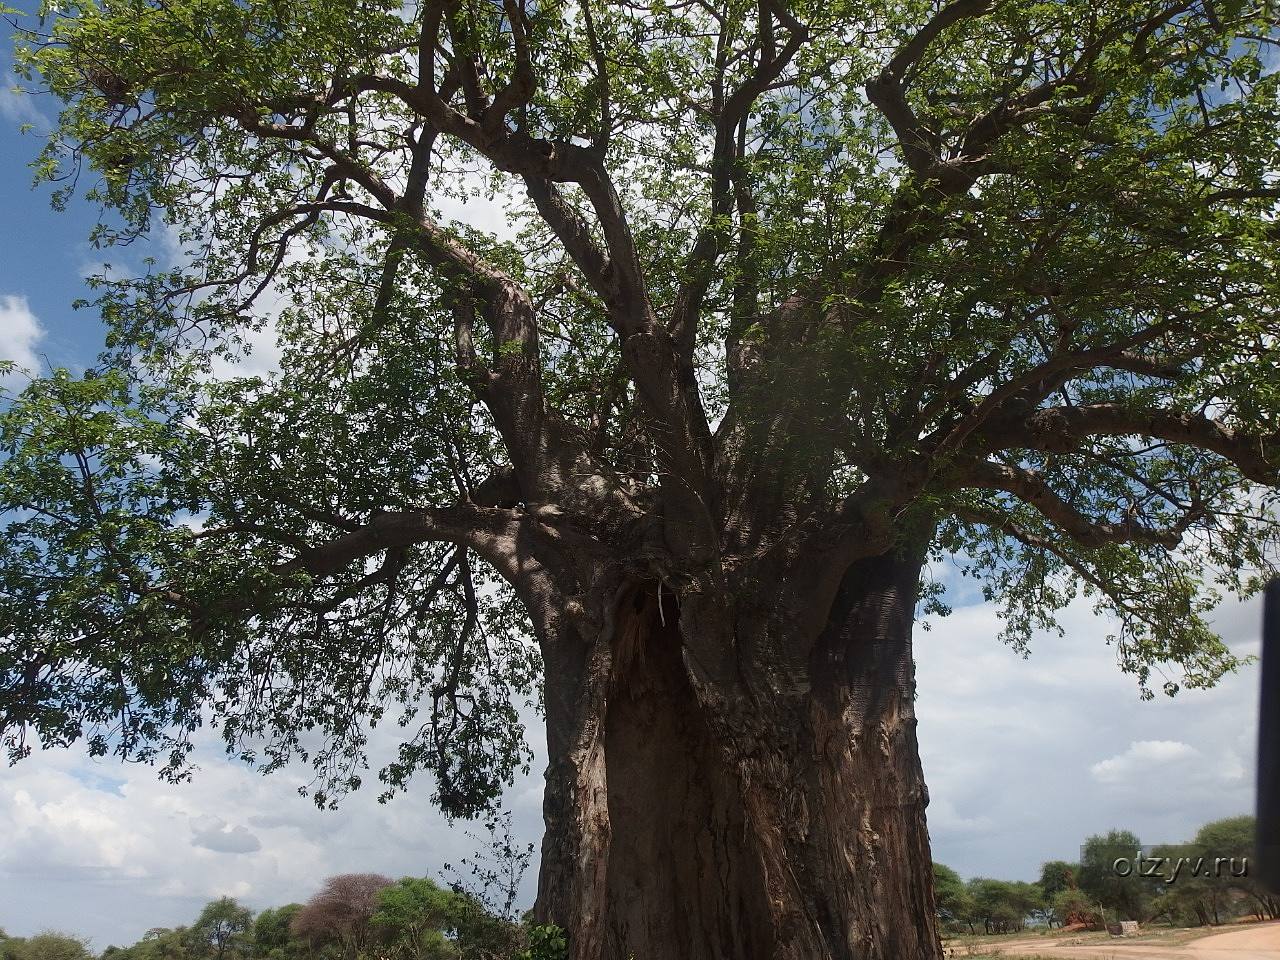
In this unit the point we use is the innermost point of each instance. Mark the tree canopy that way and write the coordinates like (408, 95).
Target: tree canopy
(223, 929)
(781, 284)
(1123, 893)
(48, 945)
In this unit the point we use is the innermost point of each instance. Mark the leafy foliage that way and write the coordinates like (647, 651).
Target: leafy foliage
(272, 937)
(159, 943)
(1206, 881)
(954, 901)
(1125, 895)
(222, 930)
(1058, 875)
(777, 282)
(49, 945)
(1214, 877)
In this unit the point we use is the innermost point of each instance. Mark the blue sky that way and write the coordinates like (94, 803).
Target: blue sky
(1023, 758)
(45, 253)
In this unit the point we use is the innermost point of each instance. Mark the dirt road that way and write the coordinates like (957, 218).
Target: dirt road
(1261, 942)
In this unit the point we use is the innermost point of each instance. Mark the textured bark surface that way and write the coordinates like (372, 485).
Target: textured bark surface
(773, 810)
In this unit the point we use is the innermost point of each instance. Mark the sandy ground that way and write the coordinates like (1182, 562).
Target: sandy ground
(1260, 942)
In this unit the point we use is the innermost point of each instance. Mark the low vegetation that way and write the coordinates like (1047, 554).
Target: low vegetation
(355, 916)
(1204, 882)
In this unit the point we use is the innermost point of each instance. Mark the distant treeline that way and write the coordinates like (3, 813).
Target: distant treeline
(1210, 880)
(354, 916)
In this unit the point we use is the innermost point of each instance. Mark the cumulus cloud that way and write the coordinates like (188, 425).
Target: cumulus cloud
(214, 833)
(1200, 776)
(1142, 758)
(20, 331)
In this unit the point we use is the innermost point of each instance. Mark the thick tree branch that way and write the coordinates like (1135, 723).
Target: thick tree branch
(666, 384)
(888, 90)
(1031, 488)
(1005, 524)
(480, 528)
(906, 60)
(1051, 429)
(1041, 379)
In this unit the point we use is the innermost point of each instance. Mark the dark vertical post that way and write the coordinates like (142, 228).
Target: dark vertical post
(1268, 842)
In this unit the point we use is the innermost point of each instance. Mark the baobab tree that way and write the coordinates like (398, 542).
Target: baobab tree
(785, 299)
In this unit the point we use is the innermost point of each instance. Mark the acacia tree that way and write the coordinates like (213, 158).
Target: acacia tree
(1222, 852)
(1125, 896)
(222, 929)
(791, 297)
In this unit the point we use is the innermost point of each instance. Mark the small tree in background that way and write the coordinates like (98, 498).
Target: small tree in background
(1058, 875)
(417, 919)
(1073, 906)
(1125, 896)
(1209, 881)
(222, 930)
(482, 935)
(272, 937)
(158, 943)
(1233, 838)
(49, 945)
(955, 903)
(988, 895)
(411, 918)
(1055, 876)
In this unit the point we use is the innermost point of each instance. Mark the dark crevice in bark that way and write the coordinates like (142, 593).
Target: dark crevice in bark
(682, 874)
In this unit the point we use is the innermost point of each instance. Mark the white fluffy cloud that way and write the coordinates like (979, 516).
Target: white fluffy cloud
(20, 331)
(1142, 758)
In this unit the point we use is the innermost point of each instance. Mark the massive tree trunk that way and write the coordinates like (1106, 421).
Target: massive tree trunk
(774, 809)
